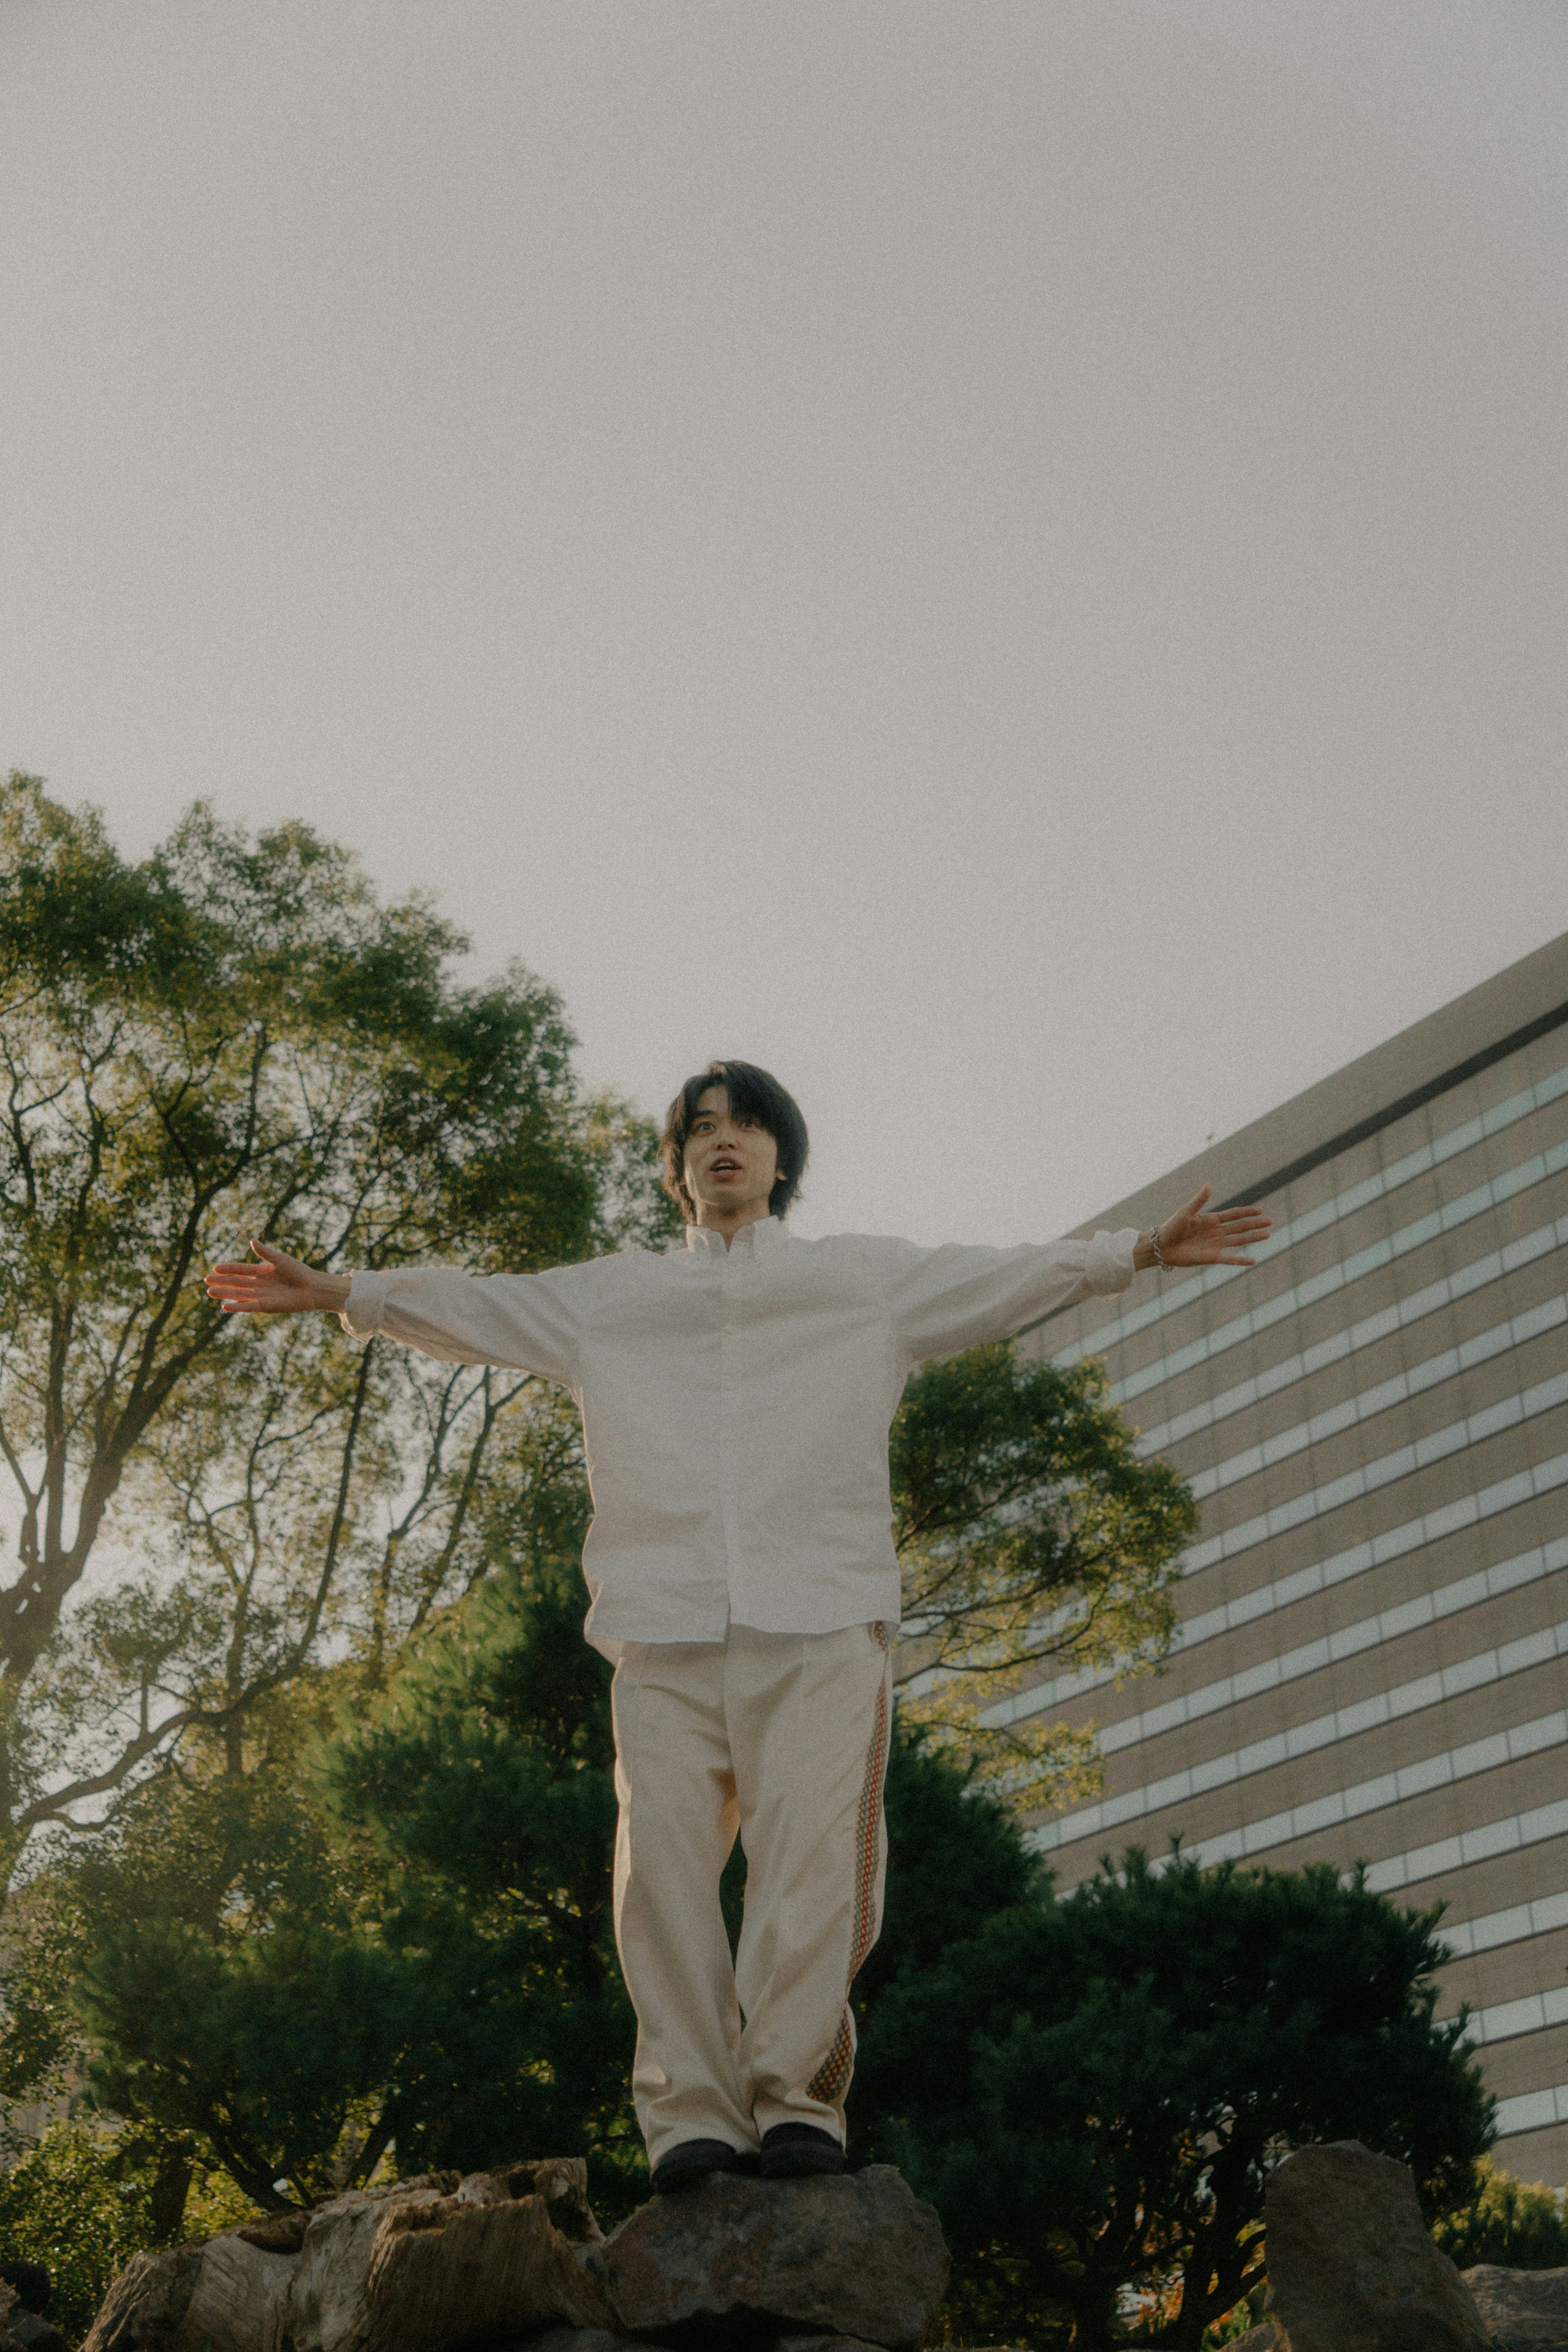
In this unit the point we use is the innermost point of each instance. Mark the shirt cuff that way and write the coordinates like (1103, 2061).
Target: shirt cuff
(366, 1305)
(1109, 1263)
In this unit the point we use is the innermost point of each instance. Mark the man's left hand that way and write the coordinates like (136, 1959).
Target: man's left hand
(1197, 1236)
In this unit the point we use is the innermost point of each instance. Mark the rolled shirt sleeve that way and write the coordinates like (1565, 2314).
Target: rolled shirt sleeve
(960, 1295)
(528, 1322)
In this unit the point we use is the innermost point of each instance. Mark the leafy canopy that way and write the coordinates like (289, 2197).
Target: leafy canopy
(236, 1037)
(1030, 1532)
(1092, 2091)
(403, 1935)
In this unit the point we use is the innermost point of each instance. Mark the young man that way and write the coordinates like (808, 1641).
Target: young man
(735, 1398)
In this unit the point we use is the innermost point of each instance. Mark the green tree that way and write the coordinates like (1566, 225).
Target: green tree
(234, 1037)
(1030, 1532)
(408, 1940)
(74, 2204)
(1092, 2091)
(1519, 2224)
(84, 2199)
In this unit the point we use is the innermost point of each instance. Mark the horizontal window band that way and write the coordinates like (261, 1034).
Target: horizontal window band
(1334, 1278)
(1330, 1649)
(1387, 1470)
(1505, 2020)
(1371, 1713)
(1447, 1292)
(1342, 1805)
(1333, 1211)
(1303, 1583)
(1531, 2111)
(1400, 1388)
(1464, 1848)
(1516, 1925)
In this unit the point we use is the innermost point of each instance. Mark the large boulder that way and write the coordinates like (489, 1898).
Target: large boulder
(1351, 2265)
(741, 2261)
(1526, 2311)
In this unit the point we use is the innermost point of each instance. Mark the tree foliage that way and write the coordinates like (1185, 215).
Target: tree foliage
(1030, 1532)
(236, 1037)
(401, 1934)
(1092, 2091)
(1520, 2225)
(84, 2199)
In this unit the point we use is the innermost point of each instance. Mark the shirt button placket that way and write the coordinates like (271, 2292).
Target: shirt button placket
(727, 1351)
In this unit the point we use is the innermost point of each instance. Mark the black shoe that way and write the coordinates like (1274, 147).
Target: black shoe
(791, 2150)
(693, 2160)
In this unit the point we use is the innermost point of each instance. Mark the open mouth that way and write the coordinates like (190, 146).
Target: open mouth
(727, 1167)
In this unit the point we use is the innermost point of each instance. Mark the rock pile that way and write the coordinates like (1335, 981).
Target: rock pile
(1526, 2311)
(513, 2261)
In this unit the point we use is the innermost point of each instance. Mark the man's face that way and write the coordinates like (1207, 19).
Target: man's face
(731, 1164)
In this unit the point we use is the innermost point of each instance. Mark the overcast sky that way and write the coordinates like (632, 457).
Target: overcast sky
(1005, 561)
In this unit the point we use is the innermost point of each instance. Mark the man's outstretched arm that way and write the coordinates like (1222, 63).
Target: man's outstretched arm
(530, 1322)
(278, 1285)
(959, 1296)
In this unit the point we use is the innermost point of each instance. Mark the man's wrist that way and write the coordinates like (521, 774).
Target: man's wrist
(332, 1292)
(1149, 1253)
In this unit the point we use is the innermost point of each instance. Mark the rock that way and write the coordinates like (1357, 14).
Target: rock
(144, 2310)
(421, 2265)
(588, 2339)
(325, 2296)
(1351, 2266)
(29, 2331)
(225, 2296)
(1526, 2311)
(1257, 2339)
(386, 2272)
(854, 2255)
(500, 2268)
(562, 2182)
(823, 2344)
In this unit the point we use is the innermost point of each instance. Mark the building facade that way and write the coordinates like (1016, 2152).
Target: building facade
(1373, 1658)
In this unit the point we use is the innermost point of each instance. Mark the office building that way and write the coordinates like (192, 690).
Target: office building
(1373, 1658)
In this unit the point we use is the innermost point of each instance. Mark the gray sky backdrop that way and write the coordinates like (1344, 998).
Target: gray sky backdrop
(1005, 560)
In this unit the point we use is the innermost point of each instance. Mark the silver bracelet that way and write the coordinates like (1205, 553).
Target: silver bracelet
(1160, 1259)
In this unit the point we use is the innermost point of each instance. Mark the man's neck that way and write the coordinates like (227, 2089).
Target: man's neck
(728, 1222)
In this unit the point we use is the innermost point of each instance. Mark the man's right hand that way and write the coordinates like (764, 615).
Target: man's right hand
(279, 1285)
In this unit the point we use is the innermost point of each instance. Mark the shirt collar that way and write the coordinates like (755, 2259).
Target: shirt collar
(762, 1235)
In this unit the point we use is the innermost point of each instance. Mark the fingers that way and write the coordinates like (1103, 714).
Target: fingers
(229, 1288)
(1194, 1208)
(255, 1286)
(1198, 1236)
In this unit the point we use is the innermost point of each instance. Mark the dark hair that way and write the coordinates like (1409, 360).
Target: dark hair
(752, 1095)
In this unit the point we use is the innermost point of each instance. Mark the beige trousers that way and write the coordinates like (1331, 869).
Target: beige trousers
(781, 1738)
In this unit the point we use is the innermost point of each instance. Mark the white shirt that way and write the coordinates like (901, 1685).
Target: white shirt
(736, 1402)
